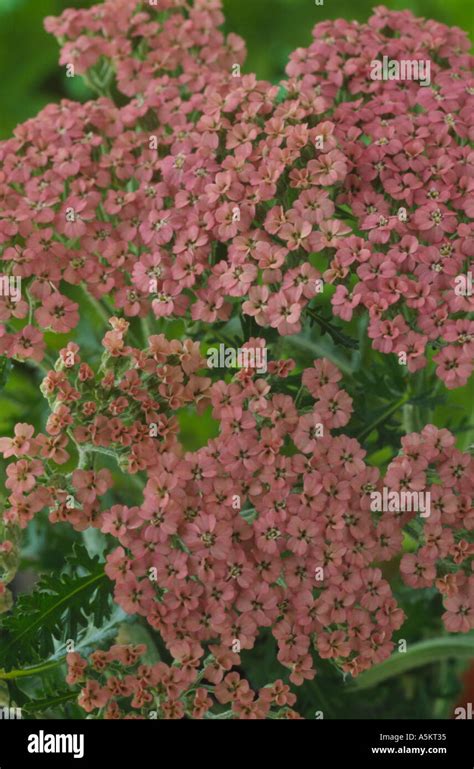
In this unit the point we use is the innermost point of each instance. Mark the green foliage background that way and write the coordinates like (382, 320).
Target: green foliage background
(31, 78)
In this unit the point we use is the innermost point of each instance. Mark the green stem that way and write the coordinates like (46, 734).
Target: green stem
(298, 396)
(86, 449)
(423, 653)
(146, 330)
(84, 458)
(34, 671)
(409, 419)
(337, 336)
(96, 306)
(386, 415)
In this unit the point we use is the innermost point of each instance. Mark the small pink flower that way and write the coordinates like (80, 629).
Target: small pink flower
(21, 444)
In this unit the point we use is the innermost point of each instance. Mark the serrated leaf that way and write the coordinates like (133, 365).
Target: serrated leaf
(59, 606)
(93, 637)
(50, 703)
(44, 690)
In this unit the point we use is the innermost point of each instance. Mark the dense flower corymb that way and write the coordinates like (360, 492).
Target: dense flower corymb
(270, 525)
(206, 193)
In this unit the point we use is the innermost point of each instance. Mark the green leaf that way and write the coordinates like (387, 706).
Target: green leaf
(58, 608)
(381, 418)
(423, 653)
(42, 688)
(49, 703)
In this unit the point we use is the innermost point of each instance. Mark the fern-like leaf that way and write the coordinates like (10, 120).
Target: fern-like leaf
(58, 608)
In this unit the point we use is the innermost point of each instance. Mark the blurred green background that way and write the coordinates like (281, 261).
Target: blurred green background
(30, 76)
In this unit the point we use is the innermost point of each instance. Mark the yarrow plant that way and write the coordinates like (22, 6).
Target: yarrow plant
(246, 210)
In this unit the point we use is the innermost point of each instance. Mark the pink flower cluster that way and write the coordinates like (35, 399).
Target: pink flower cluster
(207, 194)
(409, 184)
(269, 525)
(430, 460)
(118, 678)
